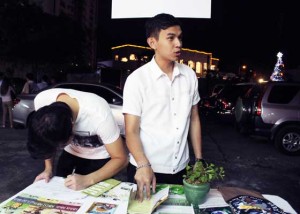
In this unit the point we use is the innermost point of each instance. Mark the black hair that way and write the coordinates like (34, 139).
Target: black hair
(48, 129)
(30, 76)
(160, 22)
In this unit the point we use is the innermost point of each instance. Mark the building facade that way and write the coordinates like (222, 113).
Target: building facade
(129, 57)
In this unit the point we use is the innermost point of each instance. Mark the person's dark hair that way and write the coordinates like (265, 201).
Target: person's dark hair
(30, 76)
(160, 22)
(49, 128)
(45, 78)
(5, 86)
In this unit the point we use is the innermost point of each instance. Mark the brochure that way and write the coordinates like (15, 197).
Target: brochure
(101, 187)
(100, 207)
(176, 202)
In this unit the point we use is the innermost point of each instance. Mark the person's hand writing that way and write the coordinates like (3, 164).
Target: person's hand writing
(144, 178)
(76, 182)
(47, 175)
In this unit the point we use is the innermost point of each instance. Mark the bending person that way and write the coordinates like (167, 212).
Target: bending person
(84, 124)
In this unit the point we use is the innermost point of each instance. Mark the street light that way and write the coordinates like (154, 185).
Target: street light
(242, 69)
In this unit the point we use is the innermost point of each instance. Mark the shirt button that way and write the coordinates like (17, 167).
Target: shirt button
(175, 157)
(177, 142)
(173, 170)
(177, 128)
(174, 114)
(173, 98)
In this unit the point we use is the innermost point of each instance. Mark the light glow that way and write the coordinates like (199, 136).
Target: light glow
(143, 8)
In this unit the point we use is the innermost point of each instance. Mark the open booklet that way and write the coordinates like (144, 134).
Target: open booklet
(147, 206)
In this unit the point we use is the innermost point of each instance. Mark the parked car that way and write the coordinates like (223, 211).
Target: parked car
(24, 106)
(222, 104)
(272, 111)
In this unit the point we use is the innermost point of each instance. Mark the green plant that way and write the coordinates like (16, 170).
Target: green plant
(199, 174)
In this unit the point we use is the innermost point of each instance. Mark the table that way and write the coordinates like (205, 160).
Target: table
(54, 195)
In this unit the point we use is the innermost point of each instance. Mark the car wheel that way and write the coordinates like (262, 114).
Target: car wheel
(287, 140)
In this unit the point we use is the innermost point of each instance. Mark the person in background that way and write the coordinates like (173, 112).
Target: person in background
(7, 102)
(30, 85)
(1, 78)
(161, 110)
(44, 83)
(83, 124)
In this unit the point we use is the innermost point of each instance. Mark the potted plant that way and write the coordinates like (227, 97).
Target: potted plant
(196, 182)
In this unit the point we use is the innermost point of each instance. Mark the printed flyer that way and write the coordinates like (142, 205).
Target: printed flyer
(26, 203)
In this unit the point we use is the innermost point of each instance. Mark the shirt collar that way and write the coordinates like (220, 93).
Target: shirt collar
(157, 72)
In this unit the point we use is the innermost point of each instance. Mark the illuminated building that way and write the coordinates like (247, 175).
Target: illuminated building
(130, 57)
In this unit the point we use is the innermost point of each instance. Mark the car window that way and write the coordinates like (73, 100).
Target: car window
(255, 91)
(109, 96)
(233, 91)
(283, 94)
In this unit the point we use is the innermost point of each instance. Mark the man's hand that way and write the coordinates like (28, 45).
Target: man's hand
(76, 182)
(144, 177)
(47, 175)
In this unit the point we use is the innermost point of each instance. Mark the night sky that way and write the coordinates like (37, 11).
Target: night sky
(240, 32)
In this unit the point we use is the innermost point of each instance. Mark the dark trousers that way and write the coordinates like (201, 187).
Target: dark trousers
(67, 162)
(160, 177)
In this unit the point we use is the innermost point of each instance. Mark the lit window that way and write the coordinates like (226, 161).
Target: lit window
(205, 66)
(191, 64)
(124, 59)
(132, 57)
(198, 68)
(116, 57)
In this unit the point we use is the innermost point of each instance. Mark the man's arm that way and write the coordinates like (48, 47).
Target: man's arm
(195, 132)
(144, 175)
(118, 161)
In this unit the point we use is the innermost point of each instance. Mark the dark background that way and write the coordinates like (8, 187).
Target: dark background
(239, 32)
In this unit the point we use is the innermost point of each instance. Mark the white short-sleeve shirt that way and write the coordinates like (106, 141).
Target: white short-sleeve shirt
(94, 125)
(164, 107)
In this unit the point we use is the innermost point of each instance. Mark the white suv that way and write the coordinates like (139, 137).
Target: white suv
(272, 110)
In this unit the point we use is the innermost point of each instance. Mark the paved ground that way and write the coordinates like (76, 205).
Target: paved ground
(249, 163)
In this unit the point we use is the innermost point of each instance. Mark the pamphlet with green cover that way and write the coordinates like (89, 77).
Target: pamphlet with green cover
(101, 187)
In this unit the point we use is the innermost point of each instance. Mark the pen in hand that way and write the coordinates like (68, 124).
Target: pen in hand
(73, 172)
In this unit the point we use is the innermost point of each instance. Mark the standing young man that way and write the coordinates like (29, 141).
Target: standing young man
(160, 108)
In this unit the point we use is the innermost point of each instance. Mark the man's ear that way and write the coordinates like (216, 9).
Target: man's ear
(151, 42)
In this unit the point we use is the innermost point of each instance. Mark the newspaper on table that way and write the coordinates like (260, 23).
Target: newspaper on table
(55, 197)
